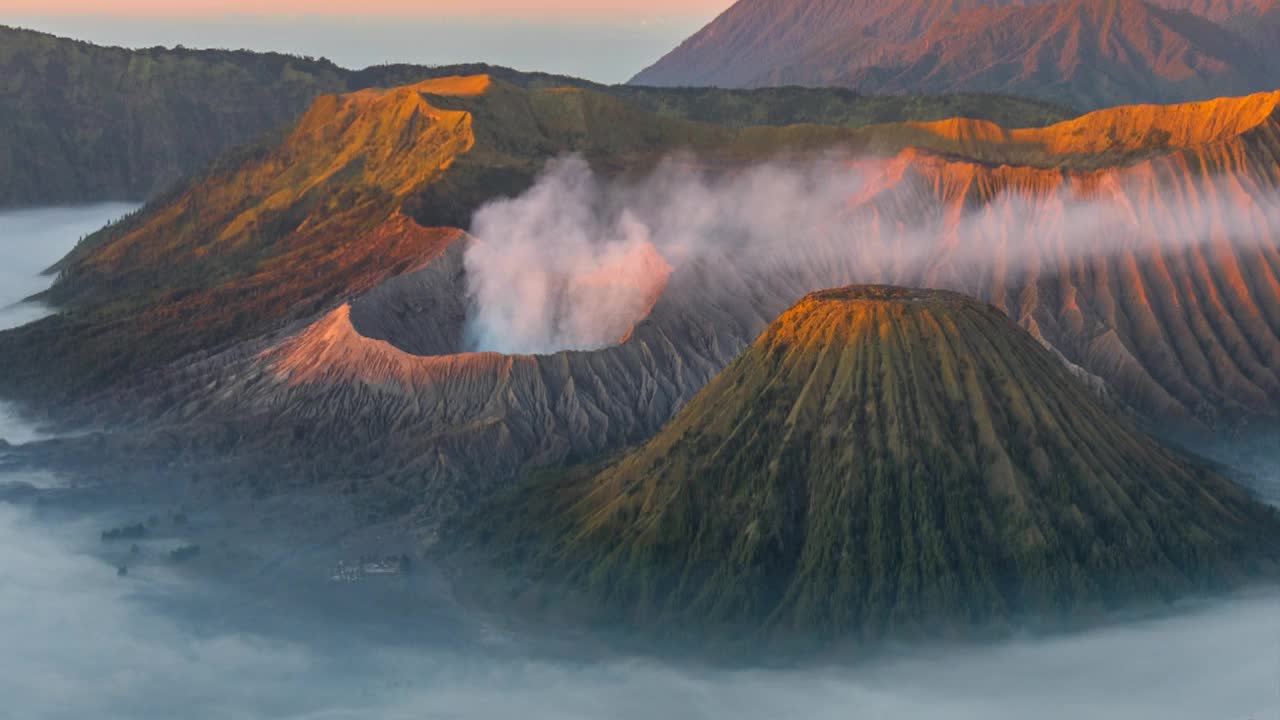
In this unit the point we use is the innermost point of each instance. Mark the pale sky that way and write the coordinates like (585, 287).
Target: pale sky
(602, 41)
(400, 8)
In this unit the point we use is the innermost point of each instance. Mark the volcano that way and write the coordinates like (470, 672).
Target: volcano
(885, 462)
(1084, 53)
(306, 303)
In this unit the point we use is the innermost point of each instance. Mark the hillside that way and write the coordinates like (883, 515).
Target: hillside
(1082, 53)
(881, 463)
(832, 106)
(83, 123)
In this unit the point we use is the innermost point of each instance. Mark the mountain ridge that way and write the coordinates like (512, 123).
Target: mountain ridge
(88, 123)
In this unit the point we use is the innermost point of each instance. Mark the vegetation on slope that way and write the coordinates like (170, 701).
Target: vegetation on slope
(883, 463)
(83, 122)
(834, 106)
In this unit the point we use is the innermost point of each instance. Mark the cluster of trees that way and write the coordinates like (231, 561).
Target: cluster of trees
(135, 531)
(184, 553)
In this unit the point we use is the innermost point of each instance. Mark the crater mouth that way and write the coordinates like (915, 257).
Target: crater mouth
(444, 309)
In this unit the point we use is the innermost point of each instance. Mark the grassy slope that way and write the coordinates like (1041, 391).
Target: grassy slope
(883, 464)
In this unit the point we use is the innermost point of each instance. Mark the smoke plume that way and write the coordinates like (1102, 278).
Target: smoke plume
(577, 260)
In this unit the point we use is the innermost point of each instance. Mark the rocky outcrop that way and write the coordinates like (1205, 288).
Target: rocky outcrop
(85, 123)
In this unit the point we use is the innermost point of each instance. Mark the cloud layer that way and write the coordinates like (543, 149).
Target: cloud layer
(83, 643)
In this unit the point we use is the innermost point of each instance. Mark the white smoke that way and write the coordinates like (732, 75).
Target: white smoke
(549, 273)
(576, 261)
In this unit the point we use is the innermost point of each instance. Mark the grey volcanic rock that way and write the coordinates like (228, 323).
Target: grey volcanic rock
(375, 393)
(422, 313)
(347, 392)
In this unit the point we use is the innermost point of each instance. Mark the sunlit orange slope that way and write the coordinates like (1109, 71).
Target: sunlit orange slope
(1174, 300)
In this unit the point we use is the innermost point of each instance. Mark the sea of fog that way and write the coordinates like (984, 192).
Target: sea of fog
(31, 240)
(80, 641)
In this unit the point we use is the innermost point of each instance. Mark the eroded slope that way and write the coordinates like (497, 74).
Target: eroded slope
(1084, 53)
(882, 463)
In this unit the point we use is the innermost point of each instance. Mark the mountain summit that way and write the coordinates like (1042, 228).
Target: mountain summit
(885, 462)
(1086, 53)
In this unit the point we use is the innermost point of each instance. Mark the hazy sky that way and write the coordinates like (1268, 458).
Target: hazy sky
(603, 41)
(428, 8)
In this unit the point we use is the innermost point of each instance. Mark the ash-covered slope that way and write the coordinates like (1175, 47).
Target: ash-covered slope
(1083, 53)
(1089, 53)
(883, 463)
(752, 37)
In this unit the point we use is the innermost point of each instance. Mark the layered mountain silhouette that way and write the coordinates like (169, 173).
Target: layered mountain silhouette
(883, 462)
(88, 123)
(1086, 53)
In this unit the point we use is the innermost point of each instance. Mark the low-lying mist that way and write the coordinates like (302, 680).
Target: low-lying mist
(578, 259)
(31, 240)
(83, 642)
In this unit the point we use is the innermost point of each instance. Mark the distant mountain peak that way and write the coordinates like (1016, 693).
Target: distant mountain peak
(1087, 53)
